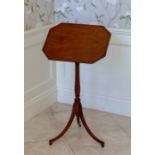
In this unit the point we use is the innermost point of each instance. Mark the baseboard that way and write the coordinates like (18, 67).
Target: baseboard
(39, 98)
(95, 101)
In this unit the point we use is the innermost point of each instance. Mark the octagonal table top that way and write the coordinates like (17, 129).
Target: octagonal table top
(77, 42)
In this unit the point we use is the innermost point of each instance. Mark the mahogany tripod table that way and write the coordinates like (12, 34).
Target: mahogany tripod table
(78, 43)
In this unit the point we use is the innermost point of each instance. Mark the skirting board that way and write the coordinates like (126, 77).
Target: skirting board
(98, 102)
(39, 98)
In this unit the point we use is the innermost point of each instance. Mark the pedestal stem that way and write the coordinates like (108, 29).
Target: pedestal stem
(77, 111)
(77, 81)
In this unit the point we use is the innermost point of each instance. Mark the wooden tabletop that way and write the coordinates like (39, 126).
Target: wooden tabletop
(77, 42)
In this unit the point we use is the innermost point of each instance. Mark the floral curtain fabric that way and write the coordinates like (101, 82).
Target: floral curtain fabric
(38, 13)
(111, 13)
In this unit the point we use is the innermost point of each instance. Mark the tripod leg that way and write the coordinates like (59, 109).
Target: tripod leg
(87, 128)
(64, 130)
(78, 119)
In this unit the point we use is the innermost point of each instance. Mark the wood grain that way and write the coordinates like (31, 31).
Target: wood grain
(77, 42)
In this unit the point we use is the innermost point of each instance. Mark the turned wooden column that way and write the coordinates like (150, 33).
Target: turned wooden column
(77, 92)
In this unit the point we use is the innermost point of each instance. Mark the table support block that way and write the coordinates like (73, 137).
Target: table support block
(77, 111)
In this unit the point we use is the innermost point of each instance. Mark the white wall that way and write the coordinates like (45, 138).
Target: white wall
(105, 85)
(40, 80)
